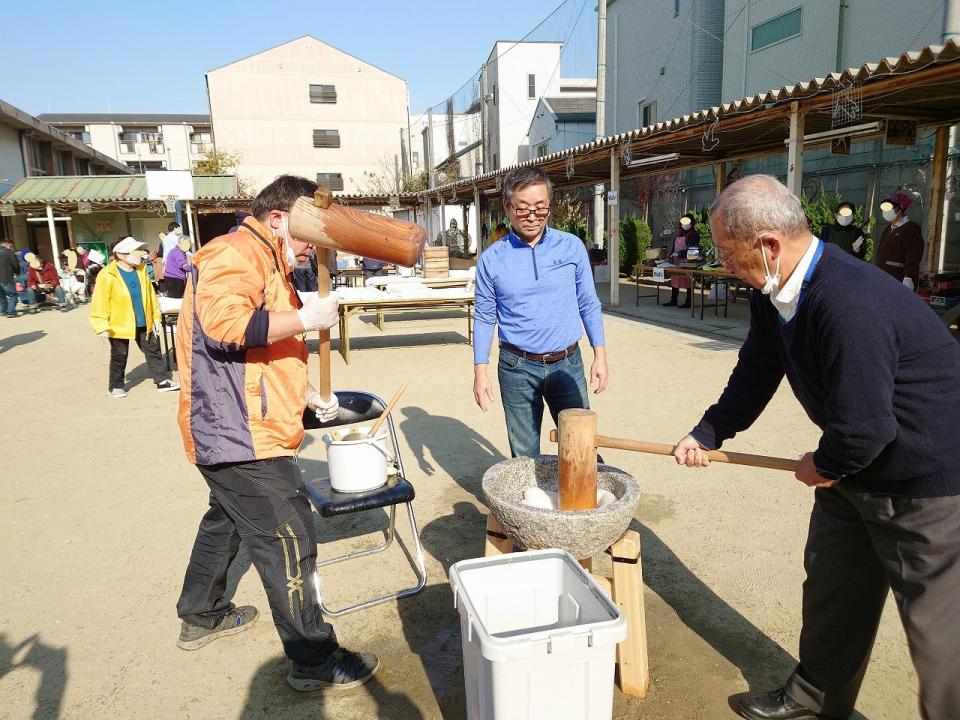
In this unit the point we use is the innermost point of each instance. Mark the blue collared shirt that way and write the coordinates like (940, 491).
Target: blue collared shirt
(540, 297)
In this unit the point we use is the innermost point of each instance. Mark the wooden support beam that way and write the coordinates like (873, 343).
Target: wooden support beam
(938, 181)
(795, 151)
(628, 595)
(720, 173)
(497, 542)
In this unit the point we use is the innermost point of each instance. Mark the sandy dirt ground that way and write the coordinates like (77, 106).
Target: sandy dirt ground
(100, 508)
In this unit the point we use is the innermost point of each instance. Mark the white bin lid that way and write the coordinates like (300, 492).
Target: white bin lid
(540, 601)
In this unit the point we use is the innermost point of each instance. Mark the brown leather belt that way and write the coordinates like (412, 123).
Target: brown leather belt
(547, 358)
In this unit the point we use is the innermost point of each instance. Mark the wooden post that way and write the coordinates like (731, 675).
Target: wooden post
(323, 350)
(795, 151)
(628, 595)
(577, 467)
(938, 179)
(613, 230)
(497, 542)
(720, 171)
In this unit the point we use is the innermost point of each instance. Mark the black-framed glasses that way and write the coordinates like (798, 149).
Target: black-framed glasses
(540, 212)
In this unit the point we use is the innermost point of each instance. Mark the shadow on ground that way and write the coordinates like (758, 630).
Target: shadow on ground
(458, 449)
(49, 662)
(8, 343)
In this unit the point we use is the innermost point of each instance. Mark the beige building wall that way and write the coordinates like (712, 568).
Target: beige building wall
(260, 106)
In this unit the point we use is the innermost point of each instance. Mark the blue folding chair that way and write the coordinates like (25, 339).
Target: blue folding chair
(357, 408)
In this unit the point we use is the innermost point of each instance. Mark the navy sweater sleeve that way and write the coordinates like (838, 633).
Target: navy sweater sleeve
(859, 356)
(752, 384)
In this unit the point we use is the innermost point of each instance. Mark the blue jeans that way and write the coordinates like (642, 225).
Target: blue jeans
(8, 296)
(525, 384)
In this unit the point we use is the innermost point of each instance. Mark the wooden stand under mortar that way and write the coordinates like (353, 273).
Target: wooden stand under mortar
(577, 485)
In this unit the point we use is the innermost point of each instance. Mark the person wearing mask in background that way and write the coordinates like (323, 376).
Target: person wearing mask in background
(843, 233)
(125, 308)
(171, 239)
(499, 232)
(243, 352)
(9, 269)
(686, 238)
(176, 265)
(901, 245)
(42, 277)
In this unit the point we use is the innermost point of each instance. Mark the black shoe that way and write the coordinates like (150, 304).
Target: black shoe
(238, 619)
(670, 303)
(342, 670)
(775, 705)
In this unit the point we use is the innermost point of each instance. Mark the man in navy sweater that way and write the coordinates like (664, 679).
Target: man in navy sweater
(879, 374)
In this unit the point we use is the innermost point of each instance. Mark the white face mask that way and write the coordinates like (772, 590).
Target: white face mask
(771, 282)
(283, 234)
(135, 259)
(844, 220)
(686, 225)
(889, 215)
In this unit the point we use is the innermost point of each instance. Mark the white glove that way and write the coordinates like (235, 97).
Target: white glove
(104, 337)
(909, 282)
(318, 313)
(325, 411)
(857, 244)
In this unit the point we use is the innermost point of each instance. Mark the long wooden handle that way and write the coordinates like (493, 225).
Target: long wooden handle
(386, 410)
(323, 289)
(763, 461)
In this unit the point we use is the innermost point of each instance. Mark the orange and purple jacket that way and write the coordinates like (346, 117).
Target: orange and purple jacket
(242, 399)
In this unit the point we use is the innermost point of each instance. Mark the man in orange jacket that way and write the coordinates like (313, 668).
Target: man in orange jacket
(243, 361)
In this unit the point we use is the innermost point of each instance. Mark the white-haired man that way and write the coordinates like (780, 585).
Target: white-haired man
(880, 375)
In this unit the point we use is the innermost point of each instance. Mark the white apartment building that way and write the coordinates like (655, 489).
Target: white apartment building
(307, 108)
(142, 141)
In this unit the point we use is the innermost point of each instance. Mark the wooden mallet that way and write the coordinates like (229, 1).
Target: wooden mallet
(578, 442)
(321, 222)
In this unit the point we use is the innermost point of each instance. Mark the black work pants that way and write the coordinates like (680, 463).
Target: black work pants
(262, 503)
(149, 344)
(173, 287)
(861, 545)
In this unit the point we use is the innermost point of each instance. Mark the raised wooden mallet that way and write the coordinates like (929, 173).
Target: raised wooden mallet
(319, 221)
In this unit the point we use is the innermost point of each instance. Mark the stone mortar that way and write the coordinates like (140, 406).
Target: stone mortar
(584, 533)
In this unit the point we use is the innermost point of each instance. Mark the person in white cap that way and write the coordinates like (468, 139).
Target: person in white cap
(125, 308)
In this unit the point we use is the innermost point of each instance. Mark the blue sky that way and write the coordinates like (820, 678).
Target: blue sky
(151, 57)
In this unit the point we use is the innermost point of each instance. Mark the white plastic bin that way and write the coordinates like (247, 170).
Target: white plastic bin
(539, 638)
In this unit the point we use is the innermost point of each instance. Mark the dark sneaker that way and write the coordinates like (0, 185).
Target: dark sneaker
(238, 619)
(167, 386)
(344, 670)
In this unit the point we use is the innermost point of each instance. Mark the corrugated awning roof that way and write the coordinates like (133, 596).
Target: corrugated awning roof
(109, 188)
(754, 126)
(121, 118)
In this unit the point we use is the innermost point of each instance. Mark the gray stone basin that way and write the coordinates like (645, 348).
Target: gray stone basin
(583, 533)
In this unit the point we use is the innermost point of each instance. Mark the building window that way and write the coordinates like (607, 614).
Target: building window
(780, 28)
(201, 143)
(64, 165)
(416, 158)
(326, 138)
(531, 86)
(38, 159)
(323, 93)
(83, 166)
(78, 134)
(646, 113)
(542, 149)
(495, 95)
(330, 181)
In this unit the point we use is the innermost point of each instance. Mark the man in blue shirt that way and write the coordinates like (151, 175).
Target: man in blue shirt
(879, 374)
(537, 287)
